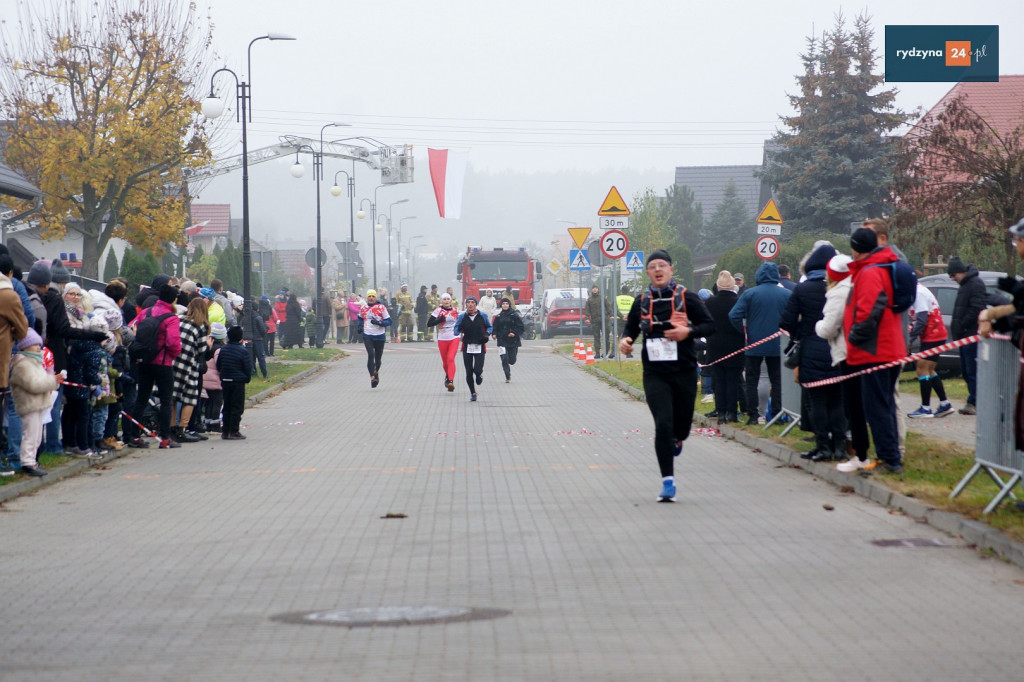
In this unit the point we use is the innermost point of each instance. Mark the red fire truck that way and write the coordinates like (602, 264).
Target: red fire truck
(481, 269)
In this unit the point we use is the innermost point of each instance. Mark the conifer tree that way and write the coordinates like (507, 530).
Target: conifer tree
(833, 163)
(730, 225)
(110, 269)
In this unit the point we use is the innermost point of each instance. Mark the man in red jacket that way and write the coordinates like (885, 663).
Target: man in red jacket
(874, 337)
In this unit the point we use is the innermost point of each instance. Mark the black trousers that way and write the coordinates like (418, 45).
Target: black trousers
(374, 352)
(753, 371)
(727, 382)
(474, 364)
(855, 420)
(508, 359)
(828, 417)
(670, 398)
(149, 376)
(234, 405)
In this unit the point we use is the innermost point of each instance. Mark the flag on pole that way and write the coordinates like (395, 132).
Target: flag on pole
(448, 174)
(195, 229)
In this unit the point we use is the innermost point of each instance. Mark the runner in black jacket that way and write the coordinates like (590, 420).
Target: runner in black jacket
(670, 318)
(475, 329)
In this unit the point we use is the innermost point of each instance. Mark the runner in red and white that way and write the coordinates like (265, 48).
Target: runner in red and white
(444, 318)
(926, 324)
(376, 320)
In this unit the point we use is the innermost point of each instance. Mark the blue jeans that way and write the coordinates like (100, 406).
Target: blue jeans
(13, 434)
(969, 368)
(51, 431)
(99, 423)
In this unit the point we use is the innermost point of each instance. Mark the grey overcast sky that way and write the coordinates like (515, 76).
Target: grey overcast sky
(615, 88)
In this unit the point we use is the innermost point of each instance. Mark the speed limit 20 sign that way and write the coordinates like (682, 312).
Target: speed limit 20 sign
(767, 247)
(614, 243)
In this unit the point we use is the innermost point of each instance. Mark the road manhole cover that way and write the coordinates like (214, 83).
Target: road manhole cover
(392, 616)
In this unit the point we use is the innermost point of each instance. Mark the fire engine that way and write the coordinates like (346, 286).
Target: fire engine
(481, 269)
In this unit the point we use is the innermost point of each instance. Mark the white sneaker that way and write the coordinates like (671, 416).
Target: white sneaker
(708, 398)
(851, 465)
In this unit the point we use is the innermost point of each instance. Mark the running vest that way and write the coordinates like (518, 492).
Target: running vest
(648, 325)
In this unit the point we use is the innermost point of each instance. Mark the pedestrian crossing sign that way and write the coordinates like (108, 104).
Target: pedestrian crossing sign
(578, 260)
(634, 260)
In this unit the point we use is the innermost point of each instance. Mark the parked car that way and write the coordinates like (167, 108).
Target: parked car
(944, 289)
(561, 314)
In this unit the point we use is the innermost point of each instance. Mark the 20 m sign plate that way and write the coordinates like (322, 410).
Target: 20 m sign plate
(767, 247)
(614, 244)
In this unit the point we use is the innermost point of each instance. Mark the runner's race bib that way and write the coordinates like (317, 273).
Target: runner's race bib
(474, 348)
(501, 350)
(662, 350)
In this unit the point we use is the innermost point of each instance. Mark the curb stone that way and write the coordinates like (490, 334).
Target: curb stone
(80, 466)
(976, 533)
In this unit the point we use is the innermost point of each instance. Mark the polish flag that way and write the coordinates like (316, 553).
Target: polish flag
(195, 229)
(448, 174)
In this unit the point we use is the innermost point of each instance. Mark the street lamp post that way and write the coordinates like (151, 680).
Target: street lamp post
(376, 227)
(212, 108)
(336, 191)
(390, 211)
(400, 221)
(318, 174)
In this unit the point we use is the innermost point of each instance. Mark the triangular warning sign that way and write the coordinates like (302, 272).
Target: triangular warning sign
(770, 214)
(613, 204)
(635, 260)
(579, 235)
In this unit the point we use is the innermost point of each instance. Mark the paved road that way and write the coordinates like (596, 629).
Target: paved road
(538, 499)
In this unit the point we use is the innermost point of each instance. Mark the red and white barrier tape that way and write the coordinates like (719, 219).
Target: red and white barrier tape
(744, 349)
(141, 426)
(966, 341)
(71, 383)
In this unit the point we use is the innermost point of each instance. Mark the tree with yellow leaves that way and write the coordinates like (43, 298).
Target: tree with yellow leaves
(103, 117)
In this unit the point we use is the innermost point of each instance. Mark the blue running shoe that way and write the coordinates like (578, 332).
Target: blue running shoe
(945, 409)
(921, 413)
(668, 493)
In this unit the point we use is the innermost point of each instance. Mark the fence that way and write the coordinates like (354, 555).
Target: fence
(994, 450)
(791, 402)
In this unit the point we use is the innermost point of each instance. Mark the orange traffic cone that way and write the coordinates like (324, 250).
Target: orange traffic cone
(590, 355)
(577, 351)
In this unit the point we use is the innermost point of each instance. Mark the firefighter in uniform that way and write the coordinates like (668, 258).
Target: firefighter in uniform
(405, 308)
(433, 301)
(422, 311)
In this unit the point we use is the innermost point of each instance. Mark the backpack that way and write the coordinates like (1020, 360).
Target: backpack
(145, 347)
(904, 285)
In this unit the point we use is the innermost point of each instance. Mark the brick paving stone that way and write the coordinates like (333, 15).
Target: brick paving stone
(538, 498)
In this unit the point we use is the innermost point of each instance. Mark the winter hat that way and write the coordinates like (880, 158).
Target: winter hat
(218, 330)
(864, 240)
(168, 294)
(704, 294)
(39, 274)
(113, 317)
(235, 334)
(725, 281)
(109, 344)
(71, 286)
(818, 259)
(838, 267)
(446, 296)
(471, 298)
(371, 292)
(32, 338)
(659, 254)
(955, 266)
(207, 293)
(58, 272)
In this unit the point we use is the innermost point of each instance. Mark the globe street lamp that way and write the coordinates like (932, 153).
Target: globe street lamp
(376, 227)
(212, 108)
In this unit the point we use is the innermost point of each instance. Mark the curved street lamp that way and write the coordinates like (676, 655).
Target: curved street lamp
(212, 108)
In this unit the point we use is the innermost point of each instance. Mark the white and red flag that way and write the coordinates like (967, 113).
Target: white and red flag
(195, 229)
(448, 174)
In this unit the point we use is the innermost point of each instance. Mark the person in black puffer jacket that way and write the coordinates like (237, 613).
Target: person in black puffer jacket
(235, 368)
(508, 330)
(728, 374)
(475, 329)
(971, 299)
(803, 310)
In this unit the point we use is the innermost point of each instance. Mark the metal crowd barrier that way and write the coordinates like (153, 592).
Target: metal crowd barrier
(790, 401)
(994, 451)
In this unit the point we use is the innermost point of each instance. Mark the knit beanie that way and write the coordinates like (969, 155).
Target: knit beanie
(218, 330)
(168, 293)
(725, 281)
(32, 338)
(235, 334)
(39, 274)
(58, 272)
(838, 267)
(864, 240)
(955, 266)
(659, 254)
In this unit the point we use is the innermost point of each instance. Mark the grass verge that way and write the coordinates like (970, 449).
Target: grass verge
(277, 373)
(932, 468)
(307, 354)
